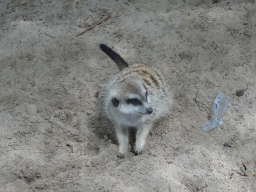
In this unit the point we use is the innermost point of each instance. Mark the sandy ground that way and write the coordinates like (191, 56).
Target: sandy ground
(53, 136)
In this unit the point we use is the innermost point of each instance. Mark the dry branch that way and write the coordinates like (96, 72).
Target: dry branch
(103, 19)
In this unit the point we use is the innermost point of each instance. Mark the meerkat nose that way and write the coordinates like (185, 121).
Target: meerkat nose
(149, 110)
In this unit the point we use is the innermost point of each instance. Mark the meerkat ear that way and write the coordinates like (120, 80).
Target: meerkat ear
(115, 102)
(146, 90)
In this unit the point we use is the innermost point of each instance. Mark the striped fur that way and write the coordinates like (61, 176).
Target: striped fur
(151, 76)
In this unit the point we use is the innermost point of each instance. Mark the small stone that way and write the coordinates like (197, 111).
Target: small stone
(21, 176)
(38, 175)
(228, 144)
(88, 164)
(240, 93)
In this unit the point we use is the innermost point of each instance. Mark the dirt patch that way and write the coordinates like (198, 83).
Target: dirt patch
(53, 135)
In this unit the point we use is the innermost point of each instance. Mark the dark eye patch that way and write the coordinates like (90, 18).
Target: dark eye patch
(115, 102)
(134, 101)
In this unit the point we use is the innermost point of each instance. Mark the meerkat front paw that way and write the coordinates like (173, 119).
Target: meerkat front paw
(120, 155)
(137, 152)
(139, 146)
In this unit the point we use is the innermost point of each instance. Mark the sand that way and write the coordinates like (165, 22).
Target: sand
(53, 135)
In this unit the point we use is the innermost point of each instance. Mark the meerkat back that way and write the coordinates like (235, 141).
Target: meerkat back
(136, 97)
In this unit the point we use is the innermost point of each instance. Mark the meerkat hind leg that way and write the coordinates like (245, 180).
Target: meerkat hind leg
(122, 134)
(141, 136)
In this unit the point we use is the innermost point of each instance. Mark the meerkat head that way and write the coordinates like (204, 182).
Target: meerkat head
(131, 97)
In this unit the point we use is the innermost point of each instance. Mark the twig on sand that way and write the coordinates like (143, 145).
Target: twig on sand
(243, 168)
(103, 19)
(50, 36)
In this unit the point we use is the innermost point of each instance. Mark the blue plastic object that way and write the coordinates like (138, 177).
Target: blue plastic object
(220, 108)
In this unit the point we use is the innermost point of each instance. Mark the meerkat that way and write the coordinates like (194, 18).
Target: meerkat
(137, 97)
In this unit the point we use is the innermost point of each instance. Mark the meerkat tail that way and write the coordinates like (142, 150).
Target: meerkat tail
(114, 56)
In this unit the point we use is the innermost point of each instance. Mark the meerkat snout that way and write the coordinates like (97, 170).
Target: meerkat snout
(149, 110)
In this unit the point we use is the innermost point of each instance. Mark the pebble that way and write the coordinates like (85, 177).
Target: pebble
(88, 164)
(228, 144)
(21, 176)
(240, 93)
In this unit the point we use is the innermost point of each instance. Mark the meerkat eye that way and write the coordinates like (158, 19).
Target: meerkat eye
(134, 102)
(115, 102)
